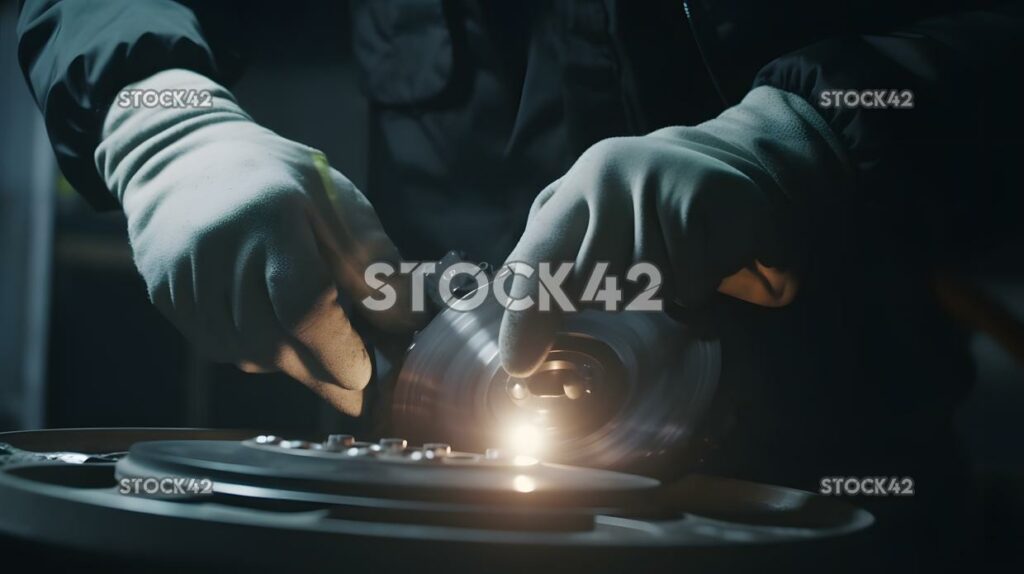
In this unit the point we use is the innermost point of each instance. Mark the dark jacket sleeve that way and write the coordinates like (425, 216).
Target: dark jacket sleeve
(943, 172)
(77, 54)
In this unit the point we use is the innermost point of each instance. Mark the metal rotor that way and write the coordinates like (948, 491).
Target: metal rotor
(623, 390)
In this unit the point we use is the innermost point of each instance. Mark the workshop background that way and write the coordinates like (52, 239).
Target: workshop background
(80, 345)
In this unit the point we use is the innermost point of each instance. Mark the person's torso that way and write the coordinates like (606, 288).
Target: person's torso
(476, 108)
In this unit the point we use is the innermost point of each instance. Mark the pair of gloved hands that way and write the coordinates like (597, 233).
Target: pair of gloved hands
(245, 239)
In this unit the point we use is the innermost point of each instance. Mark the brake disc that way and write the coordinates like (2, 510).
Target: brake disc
(625, 390)
(205, 499)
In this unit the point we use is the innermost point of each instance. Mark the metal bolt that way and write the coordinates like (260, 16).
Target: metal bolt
(393, 444)
(436, 450)
(337, 442)
(575, 389)
(518, 391)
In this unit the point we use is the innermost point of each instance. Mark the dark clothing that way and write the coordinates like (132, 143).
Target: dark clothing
(478, 105)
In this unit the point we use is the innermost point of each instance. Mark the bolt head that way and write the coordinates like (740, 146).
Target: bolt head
(393, 444)
(340, 440)
(436, 450)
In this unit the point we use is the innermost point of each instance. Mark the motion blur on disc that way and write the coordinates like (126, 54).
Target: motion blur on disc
(625, 390)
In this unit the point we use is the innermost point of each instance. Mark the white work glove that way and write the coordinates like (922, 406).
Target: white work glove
(708, 205)
(244, 238)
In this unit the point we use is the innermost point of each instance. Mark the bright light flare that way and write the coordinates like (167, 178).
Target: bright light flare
(523, 483)
(525, 442)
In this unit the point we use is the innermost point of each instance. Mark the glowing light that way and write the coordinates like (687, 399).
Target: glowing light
(523, 483)
(525, 440)
(523, 460)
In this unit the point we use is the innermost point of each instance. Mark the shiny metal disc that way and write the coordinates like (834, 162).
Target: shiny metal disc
(285, 505)
(241, 468)
(622, 390)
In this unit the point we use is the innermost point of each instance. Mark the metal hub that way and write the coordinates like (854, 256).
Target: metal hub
(621, 390)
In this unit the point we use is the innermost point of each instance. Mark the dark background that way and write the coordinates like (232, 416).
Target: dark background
(80, 344)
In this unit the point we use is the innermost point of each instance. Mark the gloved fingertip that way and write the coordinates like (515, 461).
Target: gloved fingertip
(524, 340)
(346, 364)
(357, 370)
(254, 368)
(350, 402)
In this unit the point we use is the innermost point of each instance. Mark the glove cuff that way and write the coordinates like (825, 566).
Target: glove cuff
(150, 114)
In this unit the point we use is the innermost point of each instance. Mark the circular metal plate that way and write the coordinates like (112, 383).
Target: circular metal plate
(310, 513)
(642, 384)
(460, 477)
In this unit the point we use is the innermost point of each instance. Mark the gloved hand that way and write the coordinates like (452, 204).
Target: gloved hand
(710, 206)
(244, 238)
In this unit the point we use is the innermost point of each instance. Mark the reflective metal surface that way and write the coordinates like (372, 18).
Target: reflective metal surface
(297, 505)
(620, 390)
(394, 470)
